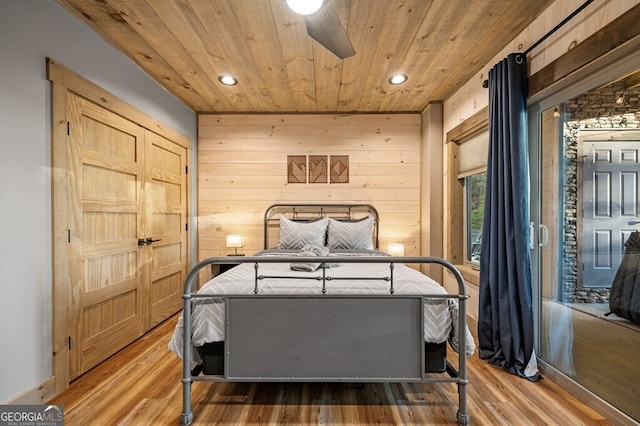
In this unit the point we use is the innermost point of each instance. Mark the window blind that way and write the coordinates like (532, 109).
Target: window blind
(472, 153)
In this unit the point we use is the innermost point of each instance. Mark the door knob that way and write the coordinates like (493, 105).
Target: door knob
(151, 241)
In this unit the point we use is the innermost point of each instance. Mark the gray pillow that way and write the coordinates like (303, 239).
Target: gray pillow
(295, 235)
(350, 235)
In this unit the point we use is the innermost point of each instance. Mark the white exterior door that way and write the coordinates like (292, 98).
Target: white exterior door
(610, 203)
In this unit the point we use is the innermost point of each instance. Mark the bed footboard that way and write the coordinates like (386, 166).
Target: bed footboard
(323, 339)
(336, 338)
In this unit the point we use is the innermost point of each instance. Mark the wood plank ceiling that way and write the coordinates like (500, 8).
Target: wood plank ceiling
(186, 44)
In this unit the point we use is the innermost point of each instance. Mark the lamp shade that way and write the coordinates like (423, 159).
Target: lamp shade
(395, 249)
(235, 240)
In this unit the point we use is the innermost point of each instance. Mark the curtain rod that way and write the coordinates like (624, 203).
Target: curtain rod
(485, 83)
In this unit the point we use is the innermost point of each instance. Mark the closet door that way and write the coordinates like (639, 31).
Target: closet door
(106, 263)
(166, 193)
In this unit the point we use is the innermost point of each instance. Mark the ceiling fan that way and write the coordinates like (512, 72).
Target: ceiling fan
(324, 26)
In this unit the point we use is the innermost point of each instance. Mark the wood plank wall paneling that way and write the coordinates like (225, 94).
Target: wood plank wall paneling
(602, 40)
(242, 169)
(564, 51)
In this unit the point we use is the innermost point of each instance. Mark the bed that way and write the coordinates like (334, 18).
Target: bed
(323, 305)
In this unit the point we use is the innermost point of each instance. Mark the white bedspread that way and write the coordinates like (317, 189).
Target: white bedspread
(440, 315)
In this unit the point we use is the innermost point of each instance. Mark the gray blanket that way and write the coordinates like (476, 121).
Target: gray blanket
(310, 251)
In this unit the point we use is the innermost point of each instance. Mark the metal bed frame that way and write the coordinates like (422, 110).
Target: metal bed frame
(310, 212)
(324, 337)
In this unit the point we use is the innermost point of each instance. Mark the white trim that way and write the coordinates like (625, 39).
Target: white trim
(39, 394)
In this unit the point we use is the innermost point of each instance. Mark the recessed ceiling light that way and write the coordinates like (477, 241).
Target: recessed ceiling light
(305, 7)
(397, 79)
(228, 80)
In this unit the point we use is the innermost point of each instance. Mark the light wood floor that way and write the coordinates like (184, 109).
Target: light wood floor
(141, 386)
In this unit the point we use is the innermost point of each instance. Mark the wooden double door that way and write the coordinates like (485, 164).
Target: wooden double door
(127, 236)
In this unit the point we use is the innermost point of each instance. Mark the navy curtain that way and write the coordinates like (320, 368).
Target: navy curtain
(505, 321)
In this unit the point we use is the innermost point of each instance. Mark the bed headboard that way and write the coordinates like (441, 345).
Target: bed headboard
(311, 212)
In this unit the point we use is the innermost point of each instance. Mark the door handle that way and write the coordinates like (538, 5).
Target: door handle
(142, 242)
(544, 235)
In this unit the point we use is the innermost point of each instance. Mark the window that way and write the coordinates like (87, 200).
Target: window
(474, 187)
(471, 170)
(467, 172)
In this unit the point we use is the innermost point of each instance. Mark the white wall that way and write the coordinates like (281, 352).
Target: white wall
(30, 31)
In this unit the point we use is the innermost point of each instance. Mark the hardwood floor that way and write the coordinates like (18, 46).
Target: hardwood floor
(141, 385)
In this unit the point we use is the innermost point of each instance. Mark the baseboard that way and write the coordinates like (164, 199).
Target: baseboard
(37, 395)
(612, 414)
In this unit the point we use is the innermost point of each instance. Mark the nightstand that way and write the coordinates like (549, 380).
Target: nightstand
(219, 268)
(224, 267)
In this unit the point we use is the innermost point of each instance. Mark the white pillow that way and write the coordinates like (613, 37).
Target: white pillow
(295, 235)
(352, 235)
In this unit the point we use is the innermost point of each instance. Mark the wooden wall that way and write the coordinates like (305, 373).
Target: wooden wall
(242, 169)
(472, 97)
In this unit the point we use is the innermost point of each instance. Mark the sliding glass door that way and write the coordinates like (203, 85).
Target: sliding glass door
(585, 192)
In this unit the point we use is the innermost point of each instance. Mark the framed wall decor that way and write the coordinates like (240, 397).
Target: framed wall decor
(318, 169)
(321, 169)
(296, 168)
(339, 170)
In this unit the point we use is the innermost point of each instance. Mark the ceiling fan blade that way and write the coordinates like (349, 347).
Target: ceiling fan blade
(325, 27)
